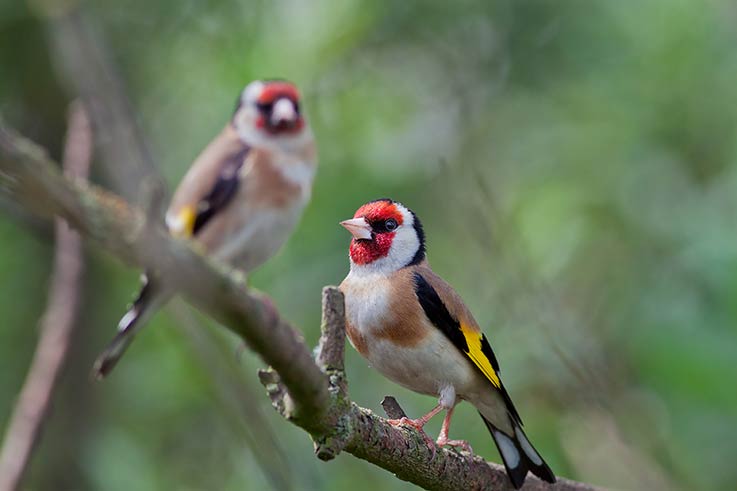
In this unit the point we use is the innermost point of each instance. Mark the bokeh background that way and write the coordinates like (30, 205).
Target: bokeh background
(575, 167)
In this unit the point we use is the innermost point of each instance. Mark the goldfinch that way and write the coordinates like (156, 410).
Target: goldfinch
(415, 329)
(241, 197)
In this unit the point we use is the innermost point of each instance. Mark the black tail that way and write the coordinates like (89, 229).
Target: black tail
(133, 320)
(518, 454)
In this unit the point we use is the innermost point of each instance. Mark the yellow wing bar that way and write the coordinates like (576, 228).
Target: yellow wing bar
(476, 354)
(183, 224)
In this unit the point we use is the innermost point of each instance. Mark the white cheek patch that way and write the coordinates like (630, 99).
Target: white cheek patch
(252, 91)
(405, 244)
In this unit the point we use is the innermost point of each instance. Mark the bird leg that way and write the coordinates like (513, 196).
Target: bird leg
(443, 437)
(419, 424)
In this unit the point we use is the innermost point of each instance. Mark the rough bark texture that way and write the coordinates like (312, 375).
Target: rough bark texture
(311, 393)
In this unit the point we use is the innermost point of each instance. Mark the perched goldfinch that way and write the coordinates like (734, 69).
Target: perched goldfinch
(415, 329)
(240, 199)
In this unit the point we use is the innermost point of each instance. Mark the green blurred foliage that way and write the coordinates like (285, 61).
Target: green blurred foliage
(574, 164)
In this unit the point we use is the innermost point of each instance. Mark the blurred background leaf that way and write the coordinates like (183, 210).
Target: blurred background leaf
(574, 164)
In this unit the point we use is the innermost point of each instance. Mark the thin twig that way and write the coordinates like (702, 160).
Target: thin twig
(330, 354)
(392, 408)
(57, 323)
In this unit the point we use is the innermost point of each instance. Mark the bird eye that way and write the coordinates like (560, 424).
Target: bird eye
(265, 107)
(391, 224)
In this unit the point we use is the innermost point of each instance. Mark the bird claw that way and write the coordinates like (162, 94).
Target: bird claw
(418, 425)
(405, 421)
(444, 442)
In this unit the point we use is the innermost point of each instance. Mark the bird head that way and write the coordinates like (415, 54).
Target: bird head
(268, 113)
(387, 236)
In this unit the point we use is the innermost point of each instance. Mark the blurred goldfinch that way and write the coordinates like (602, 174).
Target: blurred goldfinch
(240, 199)
(415, 329)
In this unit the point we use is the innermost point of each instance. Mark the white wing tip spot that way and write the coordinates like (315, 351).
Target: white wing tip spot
(508, 449)
(527, 447)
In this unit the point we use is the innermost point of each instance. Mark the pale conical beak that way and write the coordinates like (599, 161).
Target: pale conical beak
(283, 112)
(358, 227)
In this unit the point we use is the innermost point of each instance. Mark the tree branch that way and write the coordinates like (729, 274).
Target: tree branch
(311, 395)
(57, 324)
(34, 180)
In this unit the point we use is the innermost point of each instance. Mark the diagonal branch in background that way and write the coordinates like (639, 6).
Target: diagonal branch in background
(57, 324)
(234, 392)
(85, 65)
(309, 395)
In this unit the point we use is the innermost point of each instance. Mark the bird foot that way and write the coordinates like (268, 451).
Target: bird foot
(417, 424)
(444, 442)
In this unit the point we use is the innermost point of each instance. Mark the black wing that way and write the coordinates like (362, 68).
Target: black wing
(438, 314)
(222, 192)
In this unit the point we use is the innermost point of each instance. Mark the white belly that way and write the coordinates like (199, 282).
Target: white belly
(260, 236)
(426, 368)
